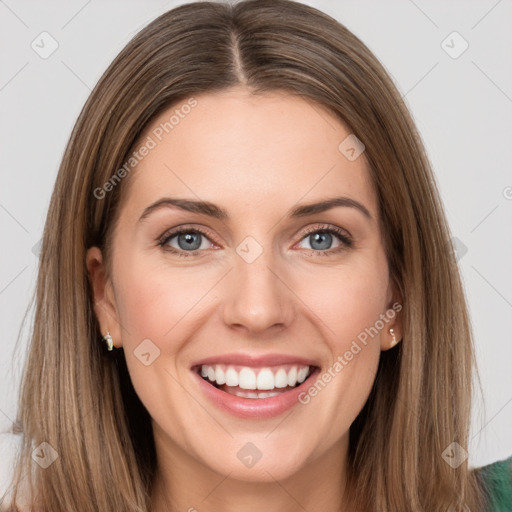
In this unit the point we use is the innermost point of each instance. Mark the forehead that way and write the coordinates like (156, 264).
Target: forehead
(246, 151)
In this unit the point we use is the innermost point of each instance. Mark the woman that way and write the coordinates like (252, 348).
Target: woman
(240, 368)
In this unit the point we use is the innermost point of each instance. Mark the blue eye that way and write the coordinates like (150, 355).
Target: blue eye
(321, 239)
(189, 241)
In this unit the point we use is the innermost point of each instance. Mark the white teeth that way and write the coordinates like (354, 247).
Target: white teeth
(303, 373)
(252, 394)
(220, 376)
(247, 378)
(292, 376)
(265, 379)
(281, 379)
(231, 377)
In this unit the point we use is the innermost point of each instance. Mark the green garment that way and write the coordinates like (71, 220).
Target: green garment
(497, 480)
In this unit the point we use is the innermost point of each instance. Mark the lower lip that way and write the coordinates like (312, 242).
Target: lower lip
(255, 408)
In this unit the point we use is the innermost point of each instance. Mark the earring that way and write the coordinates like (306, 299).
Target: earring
(392, 332)
(108, 339)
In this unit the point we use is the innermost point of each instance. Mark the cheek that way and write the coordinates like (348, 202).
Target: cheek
(350, 309)
(155, 301)
(346, 300)
(348, 303)
(156, 304)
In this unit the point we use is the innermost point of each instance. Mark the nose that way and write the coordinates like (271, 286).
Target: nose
(256, 296)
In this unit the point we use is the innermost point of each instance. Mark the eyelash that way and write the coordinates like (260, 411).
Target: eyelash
(346, 241)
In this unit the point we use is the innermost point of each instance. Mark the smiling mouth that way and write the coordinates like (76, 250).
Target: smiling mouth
(255, 383)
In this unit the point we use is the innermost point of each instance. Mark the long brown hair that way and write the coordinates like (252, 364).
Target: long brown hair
(80, 400)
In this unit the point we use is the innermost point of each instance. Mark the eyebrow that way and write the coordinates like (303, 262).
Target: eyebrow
(212, 210)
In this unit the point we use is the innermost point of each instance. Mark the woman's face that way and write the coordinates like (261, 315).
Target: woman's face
(260, 289)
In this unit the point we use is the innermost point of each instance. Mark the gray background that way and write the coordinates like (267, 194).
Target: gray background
(462, 106)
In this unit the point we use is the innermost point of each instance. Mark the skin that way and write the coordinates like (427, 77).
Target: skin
(256, 157)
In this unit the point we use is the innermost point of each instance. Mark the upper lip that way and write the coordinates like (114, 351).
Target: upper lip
(256, 361)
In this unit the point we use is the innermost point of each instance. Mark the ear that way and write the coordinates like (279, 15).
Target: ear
(103, 296)
(394, 316)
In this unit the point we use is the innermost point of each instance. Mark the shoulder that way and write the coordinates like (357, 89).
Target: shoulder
(497, 481)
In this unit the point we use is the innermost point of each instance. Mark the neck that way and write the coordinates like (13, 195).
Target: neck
(182, 484)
